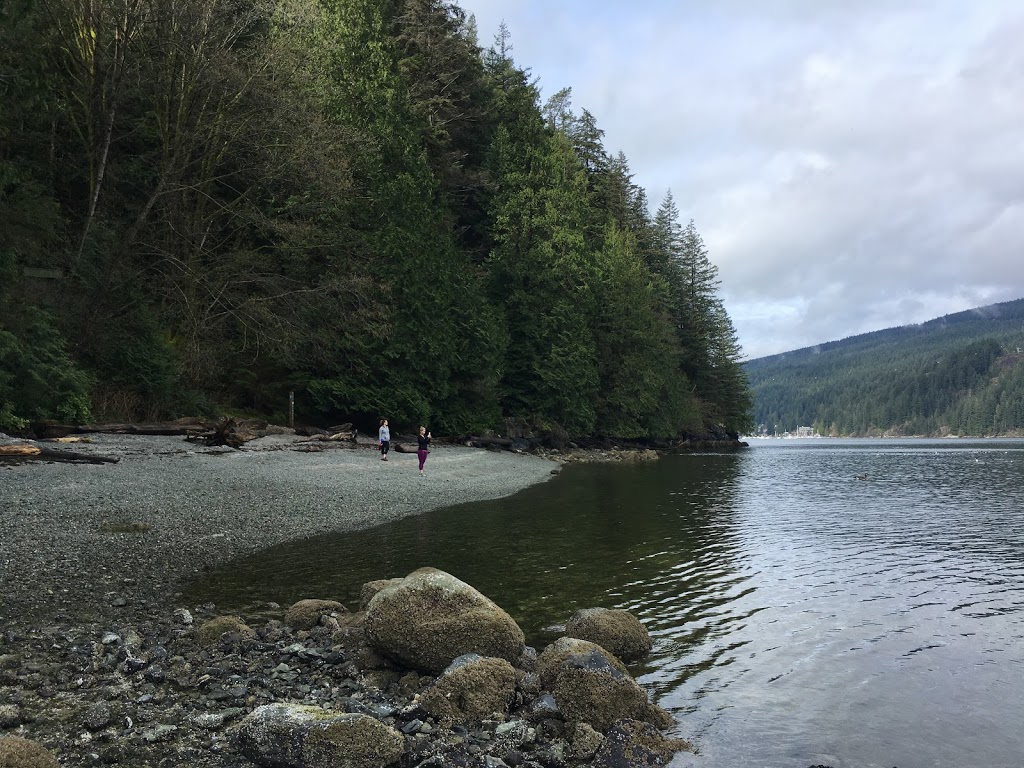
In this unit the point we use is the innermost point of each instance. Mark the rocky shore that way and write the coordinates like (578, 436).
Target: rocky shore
(428, 672)
(99, 665)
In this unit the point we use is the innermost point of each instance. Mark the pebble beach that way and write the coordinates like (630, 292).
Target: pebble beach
(81, 542)
(101, 663)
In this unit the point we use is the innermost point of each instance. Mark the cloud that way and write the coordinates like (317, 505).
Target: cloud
(851, 166)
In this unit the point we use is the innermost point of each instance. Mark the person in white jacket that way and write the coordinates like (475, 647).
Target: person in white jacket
(384, 439)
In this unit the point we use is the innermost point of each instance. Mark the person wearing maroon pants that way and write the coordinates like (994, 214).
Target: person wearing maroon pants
(423, 438)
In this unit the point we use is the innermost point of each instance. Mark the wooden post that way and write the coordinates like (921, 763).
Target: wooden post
(291, 409)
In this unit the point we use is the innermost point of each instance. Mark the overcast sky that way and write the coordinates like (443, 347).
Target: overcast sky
(851, 164)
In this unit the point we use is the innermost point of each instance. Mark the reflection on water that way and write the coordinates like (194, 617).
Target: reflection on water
(800, 615)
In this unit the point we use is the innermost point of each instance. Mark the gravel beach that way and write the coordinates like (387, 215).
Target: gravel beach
(81, 542)
(100, 664)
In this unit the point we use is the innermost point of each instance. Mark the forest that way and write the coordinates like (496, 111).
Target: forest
(209, 204)
(960, 374)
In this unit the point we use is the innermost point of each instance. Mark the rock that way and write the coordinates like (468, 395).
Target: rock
(371, 588)
(10, 716)
(183, 616)
(633, 744)
(551, 659)
(16, 752)
(617, 631)
(305, 614)
(210, 632)
(296, 736)
(431, 618)
(98, 716)
(589, 689)
(470, 689)
(158, 732)
(585, 741)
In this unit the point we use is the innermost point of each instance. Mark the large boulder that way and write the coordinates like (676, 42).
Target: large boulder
(471, 689)
(296, 736)
(588, 688)
(633, 744)
(305, 614)
(550, 661)
(614, 629)
(591, 690)
(16, 752)
(430, 618)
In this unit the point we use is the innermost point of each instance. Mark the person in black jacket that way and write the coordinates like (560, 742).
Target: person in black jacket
(423, 438)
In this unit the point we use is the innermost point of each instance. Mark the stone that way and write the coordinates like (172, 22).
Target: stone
(371, 588)
(470, 689)
(305, 614)
(551, 659)
(210, 632)
(431, 618)
(10, 716)
(297, 736)
(589, 689)
(617, 631)
(585, 741)
(98, 716)
(634, 744)
(16, 752)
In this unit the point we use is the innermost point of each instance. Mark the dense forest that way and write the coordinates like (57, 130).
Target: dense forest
(207, 204)
(961, 374)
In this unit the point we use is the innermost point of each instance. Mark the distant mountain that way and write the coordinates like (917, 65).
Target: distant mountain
(959, 374)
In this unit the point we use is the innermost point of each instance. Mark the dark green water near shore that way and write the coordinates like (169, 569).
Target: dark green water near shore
(800, 615)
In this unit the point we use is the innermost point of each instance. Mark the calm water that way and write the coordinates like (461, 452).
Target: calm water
(800, 615)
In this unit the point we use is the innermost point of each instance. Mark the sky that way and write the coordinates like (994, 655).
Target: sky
(852, 165)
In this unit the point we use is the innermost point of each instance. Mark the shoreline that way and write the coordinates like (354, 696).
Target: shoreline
(100, 663)
(94, 543)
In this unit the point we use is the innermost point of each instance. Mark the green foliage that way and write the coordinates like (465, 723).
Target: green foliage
(959, 374)
(344, 198)
(38, 380)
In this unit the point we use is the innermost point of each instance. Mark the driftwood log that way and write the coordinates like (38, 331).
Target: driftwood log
(34, 452)
(234, 433)
(49, 430)
(486, 442)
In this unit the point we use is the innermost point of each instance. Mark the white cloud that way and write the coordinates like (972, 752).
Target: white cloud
(851, 165)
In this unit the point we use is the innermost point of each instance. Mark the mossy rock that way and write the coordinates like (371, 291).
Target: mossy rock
(471, 689)
(585, 741)
(589, 689)
(614, 629)
(209, 633)
(430, 618)
(551, 659)
(299, 736)
(16, 752)
(634, 744)
(371, 588)
(305, 614)
(352, 741)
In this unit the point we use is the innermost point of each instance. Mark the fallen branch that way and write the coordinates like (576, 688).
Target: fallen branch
(33, 452)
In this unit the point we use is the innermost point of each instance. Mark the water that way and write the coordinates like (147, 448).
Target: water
(800, 615)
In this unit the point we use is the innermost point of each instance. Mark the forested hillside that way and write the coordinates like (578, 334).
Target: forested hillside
(208, 204)
(961, 374)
